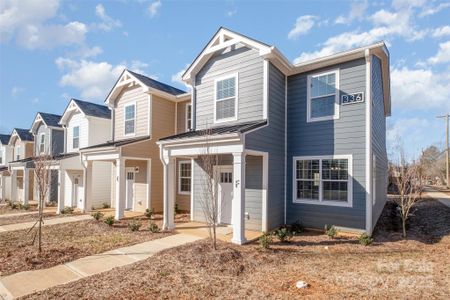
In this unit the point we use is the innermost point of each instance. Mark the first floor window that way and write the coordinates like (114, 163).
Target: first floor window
(130, 116)
(76, 137)
(42, 143)
(225, 98)
(323, 180)
(184, 183)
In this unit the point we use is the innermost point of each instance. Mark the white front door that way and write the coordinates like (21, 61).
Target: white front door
(78, 193)
(129, 189)
(225, 193)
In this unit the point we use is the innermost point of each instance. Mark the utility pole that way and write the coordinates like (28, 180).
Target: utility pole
(446, 148)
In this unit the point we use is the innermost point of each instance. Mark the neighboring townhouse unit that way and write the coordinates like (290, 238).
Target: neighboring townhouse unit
(143, 110)
(85, 124)
(303, 142)
(48, 142)
(20, 168)
(5, 157)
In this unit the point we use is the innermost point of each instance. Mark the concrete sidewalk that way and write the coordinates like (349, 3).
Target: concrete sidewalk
(440, 196)
(28, 282)
(46, 210)
(47, 222)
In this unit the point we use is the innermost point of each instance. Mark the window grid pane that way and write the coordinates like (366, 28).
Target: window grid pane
(185, 177)
(225, 109)
(322, 107)
(323, 93)
(226, 98)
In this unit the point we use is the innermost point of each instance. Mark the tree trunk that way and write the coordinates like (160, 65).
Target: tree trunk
(404, 227)
(214, 237)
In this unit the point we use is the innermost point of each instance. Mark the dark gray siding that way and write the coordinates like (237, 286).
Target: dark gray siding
(57, 141)
(53, 193)
(42, 129)
(249, 66)
(271, 139)
(343, 136)
(378, 140)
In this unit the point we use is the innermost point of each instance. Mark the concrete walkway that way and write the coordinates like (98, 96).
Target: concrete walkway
(46, 210)
(440, 196)
(47, 222)
(28, 282)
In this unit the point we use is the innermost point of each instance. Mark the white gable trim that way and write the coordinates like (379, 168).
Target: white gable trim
(126, 79)
(72, 107)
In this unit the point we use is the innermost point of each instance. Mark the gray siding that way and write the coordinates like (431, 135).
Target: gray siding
(53, 192)
(37, 138)
(57, 141)
(55, 146)
(271, 139)
(253, 189)
(249, 66)
(343, 136)
(378, 140)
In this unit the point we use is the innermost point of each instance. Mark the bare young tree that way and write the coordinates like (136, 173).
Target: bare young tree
(42, 164)
(407, 177)
(209, 197)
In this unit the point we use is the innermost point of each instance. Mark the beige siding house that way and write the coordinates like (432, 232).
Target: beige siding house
(143, 110)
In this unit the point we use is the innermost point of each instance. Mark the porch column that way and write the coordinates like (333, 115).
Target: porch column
(120, 189)
(238, 204)
(169, 194)
(25, 185)
(13, 186)
(61, 186)
(87, 187)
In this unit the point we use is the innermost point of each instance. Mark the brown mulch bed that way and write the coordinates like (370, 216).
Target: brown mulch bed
(66, 242)
(391, 267)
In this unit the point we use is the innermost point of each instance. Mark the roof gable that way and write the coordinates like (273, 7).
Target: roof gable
(85, 108)
(129, 78)
(50, 120)
(23, 135)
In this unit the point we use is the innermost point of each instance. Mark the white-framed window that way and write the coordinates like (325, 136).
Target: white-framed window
(76, 137)
(323, 96)
(184, 177)
(226, 98)
(188, 116)
(323, 180)
(1, 156)
(130, 118)
(17, 152)
(42, 143)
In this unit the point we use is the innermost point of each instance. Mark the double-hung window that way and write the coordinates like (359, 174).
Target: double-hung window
(1, 157)
(17, 152)
(325, 180)
(76, 137)
(323, 96)
(226, 99)
(184, 177)
(42, 143)
(130, 119)
(188, 117)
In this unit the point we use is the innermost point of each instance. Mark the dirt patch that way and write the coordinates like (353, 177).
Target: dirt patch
(67, 242)
(334, 268)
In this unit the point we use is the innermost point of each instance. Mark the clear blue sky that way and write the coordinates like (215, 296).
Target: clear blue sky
(53, 50)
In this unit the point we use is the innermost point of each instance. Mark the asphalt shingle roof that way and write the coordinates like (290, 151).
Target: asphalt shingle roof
(24, 134)
(93, 109)
(235, 128)
(118, 143)
(51, 119)
(4, 138)
(157, 85)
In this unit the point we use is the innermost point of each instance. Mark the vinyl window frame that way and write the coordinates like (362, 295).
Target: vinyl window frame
(320, 201)
(41, 148)
(182, 162)
(309, 99)
(188, 116)
(77, 137)
(133, 103)
(236, 97)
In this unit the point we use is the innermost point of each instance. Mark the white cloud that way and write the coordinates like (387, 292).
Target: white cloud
(35, 100)
(231, 12)
(357, 11)
(16, 90)
(176, 78)
(85, 52)
(441, 31)
(93, 79)
(428, 11)
(443, 54)
(107, 23)
(154, 7)
(302, 25)
(420, 89)
(25, 20)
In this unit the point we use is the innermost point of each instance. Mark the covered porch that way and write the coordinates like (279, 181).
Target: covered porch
(126, 176)
(238, 178)
(22, 182)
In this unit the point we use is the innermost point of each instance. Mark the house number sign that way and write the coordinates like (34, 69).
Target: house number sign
(352, 98)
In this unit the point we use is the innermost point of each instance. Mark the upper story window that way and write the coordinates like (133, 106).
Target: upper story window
(42, 143)
(325, 180)
(184, 178)
(1, 157)
(188, 117)
(226, 99)
(17, 152)
(76, 137)
(130, 118)
(323, 96)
